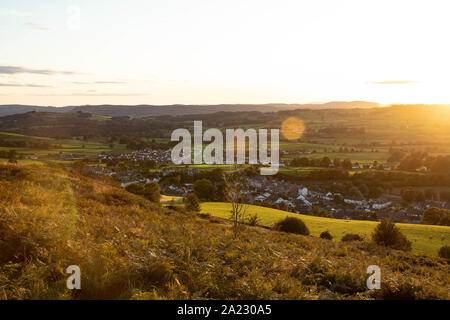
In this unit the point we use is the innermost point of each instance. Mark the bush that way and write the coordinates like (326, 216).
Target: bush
(352, 237)
(444, 252)
(204, 189)
(389, 235)
(403, 290)
(253, 220)
(326, 235)
(149, 191)
(191, 203)
(292, 225)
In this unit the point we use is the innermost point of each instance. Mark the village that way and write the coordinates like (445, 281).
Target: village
(306, 197)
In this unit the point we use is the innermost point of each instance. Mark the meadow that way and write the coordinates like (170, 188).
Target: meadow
(65, 146)
(425, 239)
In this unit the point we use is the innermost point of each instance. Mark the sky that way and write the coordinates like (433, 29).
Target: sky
(73, 52)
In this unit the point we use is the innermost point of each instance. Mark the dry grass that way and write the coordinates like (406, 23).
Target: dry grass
(128, 248)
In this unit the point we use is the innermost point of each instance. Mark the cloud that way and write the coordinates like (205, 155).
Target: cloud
(99, 82)
(104, 94)
(16, 70)
(109, 82)
(89, 94)
(36, 26)
(14, 13)
(393, 82)
(29, 85)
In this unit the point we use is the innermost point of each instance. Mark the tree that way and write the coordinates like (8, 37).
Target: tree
(409, 194)
(12, 156)
(389, 235)
(300, 162)
(347, 164)
(316, 211)
(204, 189)
(221, 192)
(325, 162)
(375, 192)
(135, 188)
(337, 162)
(420, 196)
(354, 192)
(436, 216)
(191, 203)
(152, 192)
(234, 186)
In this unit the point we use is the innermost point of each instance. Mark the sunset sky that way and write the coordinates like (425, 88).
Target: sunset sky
(211, 51)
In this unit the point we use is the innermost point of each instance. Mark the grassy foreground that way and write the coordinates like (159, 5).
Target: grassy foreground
(129, 248)
(425, 239)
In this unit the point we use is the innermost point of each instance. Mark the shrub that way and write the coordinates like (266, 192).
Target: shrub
(292, 225)
(436, 216)
(191, 203)
(149, 191)
(326, 235)
(152, 192)
(403, 290)
(204, 189)
(253, 219)
(444, 252)
(389, 235)
(352, 237)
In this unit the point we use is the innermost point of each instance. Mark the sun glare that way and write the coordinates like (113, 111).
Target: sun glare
(292, 128)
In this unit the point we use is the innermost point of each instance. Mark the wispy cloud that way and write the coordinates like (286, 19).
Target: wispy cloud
(89, 94)
(14, 13)
(99, 82)
(105, 94)
(16, 70)
(36, 26)
(29, 85)
(110, 82)
(393, 82)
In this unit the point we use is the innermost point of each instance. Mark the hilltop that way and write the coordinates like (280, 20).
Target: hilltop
(159, 110)
(130, 248)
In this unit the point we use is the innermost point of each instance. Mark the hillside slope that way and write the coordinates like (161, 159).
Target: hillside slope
(129, 248)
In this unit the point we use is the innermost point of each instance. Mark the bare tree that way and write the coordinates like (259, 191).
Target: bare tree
(239, 214)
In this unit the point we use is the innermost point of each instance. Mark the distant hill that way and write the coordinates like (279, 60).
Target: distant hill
(6, 110)
(177, 109)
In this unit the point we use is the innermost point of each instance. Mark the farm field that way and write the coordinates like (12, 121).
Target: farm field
(168, 199)
(67, 146)
(425, 239)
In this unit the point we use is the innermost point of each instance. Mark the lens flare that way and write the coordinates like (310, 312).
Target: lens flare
(292, 128)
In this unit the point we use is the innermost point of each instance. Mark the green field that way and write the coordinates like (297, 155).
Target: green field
(168, 199)
(68, 146)
(425, 239)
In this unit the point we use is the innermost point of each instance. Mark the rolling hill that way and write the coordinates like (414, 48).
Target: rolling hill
(154, 110)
